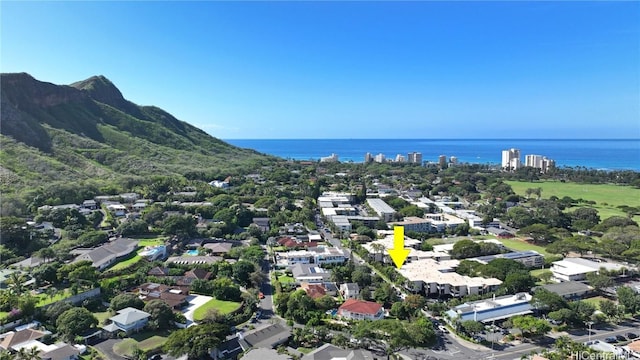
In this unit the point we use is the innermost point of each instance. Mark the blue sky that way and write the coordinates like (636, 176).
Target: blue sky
(349, 69)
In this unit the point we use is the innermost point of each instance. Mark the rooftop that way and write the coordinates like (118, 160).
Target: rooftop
(360, 307)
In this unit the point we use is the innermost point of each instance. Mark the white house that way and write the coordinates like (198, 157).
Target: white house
(128, 320)
(349, 290)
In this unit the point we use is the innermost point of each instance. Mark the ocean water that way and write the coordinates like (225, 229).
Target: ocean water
(597, 154)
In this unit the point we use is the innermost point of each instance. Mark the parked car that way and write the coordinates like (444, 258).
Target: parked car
(631, 335)
(621, 338)
(611, 340)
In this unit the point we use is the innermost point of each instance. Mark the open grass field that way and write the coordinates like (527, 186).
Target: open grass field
(145, 341)
(607, 197)
(521, 245)
(224, 307)
(595, 301)
(151, 241)
(283, 278)
(126, 263)
(102, 316)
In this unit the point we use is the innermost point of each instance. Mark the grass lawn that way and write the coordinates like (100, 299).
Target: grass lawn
(151, 241)
(102, 316)
(145, 341)
(224, 307)
(129, 261)
(284, 278)
(521, 245)
(126, 263)
(595, 301)
(3, 314)
(44, 299)
(606, 196)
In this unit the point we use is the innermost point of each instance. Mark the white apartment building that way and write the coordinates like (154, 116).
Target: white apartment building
(539, 162)
(368, 158)
(317, 255)
(416, 224)
(511, 159)
(380, 158)
(381, 208)
(330, 158)
(400, 158)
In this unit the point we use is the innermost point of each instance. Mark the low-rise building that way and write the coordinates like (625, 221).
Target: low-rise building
(528, 258)
(318, 255)
(576, 269)
(486, 311)
(570, 290)
(332, 352)
(360, 310)
(381, 208)
(309, 273)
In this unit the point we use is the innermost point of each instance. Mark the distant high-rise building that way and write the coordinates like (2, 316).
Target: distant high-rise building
(331, 158)
(368, 158)
(400, 158)
(379, 158)
(442, 161)
(453, 160)
(511, 159)
(539, 162)
(414, 157)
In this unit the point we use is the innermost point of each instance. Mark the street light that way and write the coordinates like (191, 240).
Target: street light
(589, 323)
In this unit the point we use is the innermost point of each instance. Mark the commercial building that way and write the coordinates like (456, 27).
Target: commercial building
(511, 159)
(570, 290)
(498, 308)
(576, 269)
(381, 208)
(529, 258)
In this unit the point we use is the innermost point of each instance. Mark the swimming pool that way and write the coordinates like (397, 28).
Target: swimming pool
(192, 252)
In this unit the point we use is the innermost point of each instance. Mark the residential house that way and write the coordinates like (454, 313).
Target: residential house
(262, 223)
(128, 320)
(195, 260)
(266, 337)
(15, 340)
(191, 275)
(265, 354)
(90, 204)
(174, 296)
(107, 254)
(293, 242)
(309, 273)
(62, 352)
(158, 271)
(218, 248)
(314, 291)
(349, 290)
(361, 310)
(332, 352)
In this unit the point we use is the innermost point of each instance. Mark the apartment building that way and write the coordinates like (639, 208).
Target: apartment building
(511, 159)
(381, 208)
(414, 158)
(539, 162)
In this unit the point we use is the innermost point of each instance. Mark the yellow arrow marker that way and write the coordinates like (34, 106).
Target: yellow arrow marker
(398, 254)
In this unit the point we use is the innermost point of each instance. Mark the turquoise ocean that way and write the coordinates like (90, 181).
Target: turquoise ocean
(619, 154)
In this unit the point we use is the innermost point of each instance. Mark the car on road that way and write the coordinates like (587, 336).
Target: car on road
(631, 335)
(611, 340)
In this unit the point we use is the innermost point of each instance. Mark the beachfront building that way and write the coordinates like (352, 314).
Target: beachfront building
(380, 158)
(414, 158)
(330, 158)
(486, 311)
(511, 159)
(368, 158)
(539, 162)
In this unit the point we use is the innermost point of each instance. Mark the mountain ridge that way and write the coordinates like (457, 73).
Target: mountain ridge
(89, 124)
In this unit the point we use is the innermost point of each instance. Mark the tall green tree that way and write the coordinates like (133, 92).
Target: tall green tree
(196, 341)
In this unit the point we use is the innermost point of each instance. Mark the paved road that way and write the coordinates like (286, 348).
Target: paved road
(106, 347)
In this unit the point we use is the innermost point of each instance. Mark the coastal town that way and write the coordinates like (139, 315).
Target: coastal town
(291, 261)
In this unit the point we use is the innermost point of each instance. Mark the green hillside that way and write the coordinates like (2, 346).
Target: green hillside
(89, 131)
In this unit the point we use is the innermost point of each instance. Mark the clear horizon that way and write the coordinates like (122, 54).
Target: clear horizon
(349, 70)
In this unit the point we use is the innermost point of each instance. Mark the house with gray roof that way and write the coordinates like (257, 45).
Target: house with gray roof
(570, 290)
(128, 320)
(107, 254)
(266, 337)
(331, 352)
(264, 354)
(309, 273)
(350, 290)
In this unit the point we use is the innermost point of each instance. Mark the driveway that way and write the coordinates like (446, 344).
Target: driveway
(195, 301)
(106, 347)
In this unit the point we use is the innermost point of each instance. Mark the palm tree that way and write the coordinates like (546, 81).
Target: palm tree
(378, 249)
(28, 354)
(16, 282)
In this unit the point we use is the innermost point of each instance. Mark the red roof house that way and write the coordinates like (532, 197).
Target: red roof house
(360, 310)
